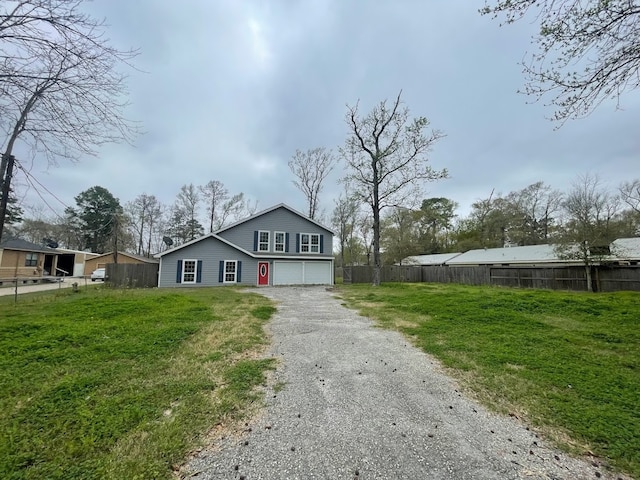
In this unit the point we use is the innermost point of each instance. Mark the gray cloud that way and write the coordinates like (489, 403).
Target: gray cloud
(228, 90)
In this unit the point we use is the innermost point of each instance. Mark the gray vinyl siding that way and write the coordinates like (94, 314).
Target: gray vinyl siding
(278, 220)
(210, 251)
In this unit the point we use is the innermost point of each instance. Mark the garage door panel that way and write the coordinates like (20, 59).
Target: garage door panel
(287, 273)
(301, 273)
(316, 273)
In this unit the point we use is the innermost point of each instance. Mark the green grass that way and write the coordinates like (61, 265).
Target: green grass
(123, 383)
(569, 363)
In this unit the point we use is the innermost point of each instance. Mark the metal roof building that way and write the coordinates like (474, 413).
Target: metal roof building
(530, 255)
(433, 259)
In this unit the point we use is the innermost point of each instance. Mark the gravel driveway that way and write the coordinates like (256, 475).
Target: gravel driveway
(358, 402)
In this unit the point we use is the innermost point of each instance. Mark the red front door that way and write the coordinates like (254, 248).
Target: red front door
(263, 273)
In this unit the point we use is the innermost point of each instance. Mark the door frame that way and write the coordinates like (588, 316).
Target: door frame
(265, 276)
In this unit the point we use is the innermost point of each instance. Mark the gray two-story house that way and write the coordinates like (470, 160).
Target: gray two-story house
(278, 246)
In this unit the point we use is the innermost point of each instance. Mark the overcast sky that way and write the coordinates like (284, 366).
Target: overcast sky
(228, 90)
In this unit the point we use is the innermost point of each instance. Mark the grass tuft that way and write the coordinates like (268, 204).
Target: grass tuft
(263, 312)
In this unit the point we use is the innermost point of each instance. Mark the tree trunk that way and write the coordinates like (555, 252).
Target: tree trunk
(148, 253)
(213, 214)
(376, 246)
(140, 238)
(5, 183)
(587, 269)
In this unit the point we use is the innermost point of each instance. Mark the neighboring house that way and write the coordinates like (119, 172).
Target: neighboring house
(20, 258)
(101, 261)
(434, 259)
(72, 262)
(529, 256)
(278, 246)
(626, 250)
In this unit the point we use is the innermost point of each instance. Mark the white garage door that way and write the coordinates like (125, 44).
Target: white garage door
(317, 273)
(301, 273)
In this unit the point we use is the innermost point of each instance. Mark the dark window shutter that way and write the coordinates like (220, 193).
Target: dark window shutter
(321, 243)
(239, 271)
(255, 241)
(221, 272)
(179, 272)
(286, 242)
(199, 272)
(297, 243)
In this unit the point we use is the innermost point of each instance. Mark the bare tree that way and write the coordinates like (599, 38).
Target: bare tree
(630, 194)
(591, 224)
(184, 223)
(588, 51)
(533, 209)
(344, 218)
(69, 231)
(214, 193)
(144, 213)
(60, 89)
(386, 153)
(365, 231)
(235, 208)
(311, 169)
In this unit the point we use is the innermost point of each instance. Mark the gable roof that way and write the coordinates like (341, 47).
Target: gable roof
(236, 247)
(200, 239)
(130, 255)
(215, 235)
(271, 209)
(24, 245)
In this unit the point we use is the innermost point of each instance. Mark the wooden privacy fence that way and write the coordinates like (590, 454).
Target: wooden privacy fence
(132, 275)
(395, 273)
(605, 278)
(616, 278)
(553, 278)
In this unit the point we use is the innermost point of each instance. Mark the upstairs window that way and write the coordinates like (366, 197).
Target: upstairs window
(31, 260)
(278, 242)
(310, 243)
(315, 243)
(263, 241)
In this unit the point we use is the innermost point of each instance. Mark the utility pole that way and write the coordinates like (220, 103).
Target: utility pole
(116, 227)
(6, 168)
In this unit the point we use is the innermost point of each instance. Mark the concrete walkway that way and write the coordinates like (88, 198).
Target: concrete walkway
(29, 288)
(352, 401)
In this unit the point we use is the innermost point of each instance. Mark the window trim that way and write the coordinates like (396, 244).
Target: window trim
(29, 261)
(235, 271)
(195, 270)
(283, 244)
(310, 243)
(261, 243)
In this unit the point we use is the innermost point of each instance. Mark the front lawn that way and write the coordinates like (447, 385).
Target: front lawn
(568, 363)
(123, 383)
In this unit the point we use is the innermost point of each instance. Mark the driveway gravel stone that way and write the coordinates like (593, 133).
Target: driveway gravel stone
(353, 401)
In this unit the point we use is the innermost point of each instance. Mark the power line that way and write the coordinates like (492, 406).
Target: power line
(30, 179)
(29, 175)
